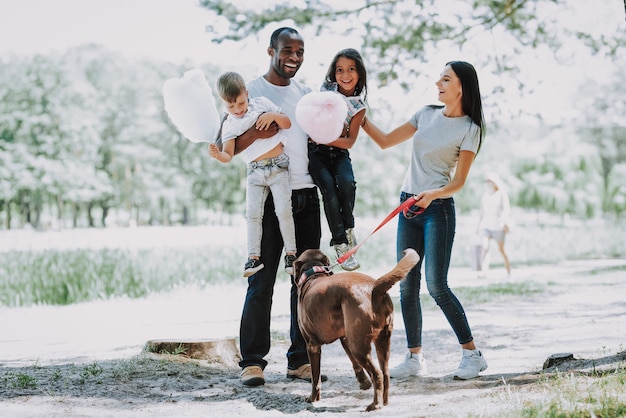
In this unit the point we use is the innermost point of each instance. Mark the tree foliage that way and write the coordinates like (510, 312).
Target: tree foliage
(84, 136)
(397, 33)
(86, 133)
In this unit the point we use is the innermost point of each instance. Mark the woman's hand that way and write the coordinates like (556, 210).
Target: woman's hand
(424, 199)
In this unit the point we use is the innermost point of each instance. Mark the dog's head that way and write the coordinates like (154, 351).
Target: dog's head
(309, 259)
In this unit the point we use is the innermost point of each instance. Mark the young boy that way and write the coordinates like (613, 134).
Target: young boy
(267, 165)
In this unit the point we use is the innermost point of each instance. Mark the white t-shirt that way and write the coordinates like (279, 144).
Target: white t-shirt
(296, 148)
(495, 210)
(436, 147)
(235, 126)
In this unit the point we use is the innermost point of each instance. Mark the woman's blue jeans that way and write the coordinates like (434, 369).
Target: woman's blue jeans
(331, 169)
(431, 234)
(254, 331)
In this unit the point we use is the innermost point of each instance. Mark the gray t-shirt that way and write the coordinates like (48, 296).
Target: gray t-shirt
(436, 147)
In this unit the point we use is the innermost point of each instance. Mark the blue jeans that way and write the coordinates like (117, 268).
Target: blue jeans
(331, 169)
(254, 331)
(431, 234)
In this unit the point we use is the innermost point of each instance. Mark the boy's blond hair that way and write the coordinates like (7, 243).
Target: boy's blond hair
(230, 85)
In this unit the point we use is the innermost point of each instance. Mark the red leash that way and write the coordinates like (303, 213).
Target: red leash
(403, 207)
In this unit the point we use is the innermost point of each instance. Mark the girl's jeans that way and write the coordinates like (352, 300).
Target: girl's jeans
(431, 234)
(331, 169)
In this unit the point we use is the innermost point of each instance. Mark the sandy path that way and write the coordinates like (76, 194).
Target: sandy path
(582, 311)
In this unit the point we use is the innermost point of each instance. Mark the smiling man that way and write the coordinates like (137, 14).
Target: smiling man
(286, 51)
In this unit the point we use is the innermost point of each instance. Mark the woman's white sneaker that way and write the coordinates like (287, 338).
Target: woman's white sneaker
(412, 365)
(472, 363)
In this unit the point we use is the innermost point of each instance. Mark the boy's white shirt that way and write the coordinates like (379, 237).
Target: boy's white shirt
(296, 148)
(235, 126)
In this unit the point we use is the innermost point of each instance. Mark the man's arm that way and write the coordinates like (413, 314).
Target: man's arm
(244, 140)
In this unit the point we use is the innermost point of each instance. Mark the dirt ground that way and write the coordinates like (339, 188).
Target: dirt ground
(86, 360)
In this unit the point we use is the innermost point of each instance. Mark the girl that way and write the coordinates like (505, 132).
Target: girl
(446, 140)
(330, 164)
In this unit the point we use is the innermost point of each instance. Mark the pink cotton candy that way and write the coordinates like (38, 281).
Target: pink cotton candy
(191, 107)
(321, 115)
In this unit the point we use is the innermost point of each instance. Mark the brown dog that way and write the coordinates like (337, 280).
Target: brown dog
(354, 308)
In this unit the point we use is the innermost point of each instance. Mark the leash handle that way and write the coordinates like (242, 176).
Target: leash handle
(402, 207)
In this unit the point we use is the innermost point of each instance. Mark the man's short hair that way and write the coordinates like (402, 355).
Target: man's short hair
(276, 34)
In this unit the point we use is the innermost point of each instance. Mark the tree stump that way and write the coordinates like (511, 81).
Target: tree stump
(557, 359)
(214, 351)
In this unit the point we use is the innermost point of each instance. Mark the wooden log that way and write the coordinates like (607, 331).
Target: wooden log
(557, 359)
(214, 351)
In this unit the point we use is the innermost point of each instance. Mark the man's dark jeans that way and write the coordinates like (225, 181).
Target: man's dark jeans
(331, 169)
(254, 332)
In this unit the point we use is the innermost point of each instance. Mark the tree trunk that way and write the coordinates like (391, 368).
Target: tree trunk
(90, 220)
(215, 351)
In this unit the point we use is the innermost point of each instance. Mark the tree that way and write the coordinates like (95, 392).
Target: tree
(397, 33)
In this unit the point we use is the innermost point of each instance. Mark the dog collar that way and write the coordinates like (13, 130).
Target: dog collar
(327, 270)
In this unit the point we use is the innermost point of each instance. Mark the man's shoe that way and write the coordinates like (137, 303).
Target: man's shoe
(412, 365)
(289, 259)
(303, 372)
(252, 376)
(252, 266)
(472, 363)
(350, 264)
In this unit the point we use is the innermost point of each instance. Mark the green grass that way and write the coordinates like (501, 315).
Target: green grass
(66, 277)
(63, 277)
(576, 395)
(490, 293)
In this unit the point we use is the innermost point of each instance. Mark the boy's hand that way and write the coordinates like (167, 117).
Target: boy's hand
(213, 150)
(264, 121)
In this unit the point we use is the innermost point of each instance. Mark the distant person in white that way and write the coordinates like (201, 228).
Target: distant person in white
(493, 224)
(268, 165)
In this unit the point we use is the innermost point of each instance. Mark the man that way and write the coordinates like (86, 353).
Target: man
(286, 53)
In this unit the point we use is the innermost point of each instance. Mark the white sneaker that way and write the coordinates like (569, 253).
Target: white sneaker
(412, 365)
(350, 264)
(472, 363)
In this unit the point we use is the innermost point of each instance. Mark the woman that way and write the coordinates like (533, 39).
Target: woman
(446, 140)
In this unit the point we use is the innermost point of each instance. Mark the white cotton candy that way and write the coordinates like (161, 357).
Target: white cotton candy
(190, 104)
(321, 115)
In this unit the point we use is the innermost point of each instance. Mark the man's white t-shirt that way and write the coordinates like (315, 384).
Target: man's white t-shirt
(296, 145)
(235, 126)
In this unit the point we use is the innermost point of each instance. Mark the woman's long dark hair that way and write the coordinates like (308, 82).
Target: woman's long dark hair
(353, 54)
(470, 100)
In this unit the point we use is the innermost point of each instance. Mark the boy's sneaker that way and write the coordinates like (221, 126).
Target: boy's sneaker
(472, 363)
(412, 365)
(289, 259)
(252, 266)
(350, 264)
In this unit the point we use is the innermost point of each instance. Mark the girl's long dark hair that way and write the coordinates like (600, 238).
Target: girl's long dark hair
(352, 54)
